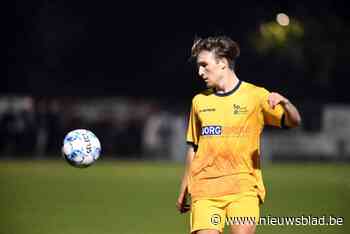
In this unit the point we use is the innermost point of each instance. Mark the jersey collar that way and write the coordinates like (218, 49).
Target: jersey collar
(229, 92)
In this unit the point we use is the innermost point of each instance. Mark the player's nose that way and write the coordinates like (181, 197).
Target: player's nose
(200, 71)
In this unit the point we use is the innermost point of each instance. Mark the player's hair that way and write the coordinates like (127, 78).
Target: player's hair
(221, 46)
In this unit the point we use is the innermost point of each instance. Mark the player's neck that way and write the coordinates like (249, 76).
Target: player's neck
(228, 82)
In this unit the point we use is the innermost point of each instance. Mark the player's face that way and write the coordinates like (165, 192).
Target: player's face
(209, 68)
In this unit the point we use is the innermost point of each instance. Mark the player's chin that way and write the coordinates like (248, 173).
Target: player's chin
(209, 85)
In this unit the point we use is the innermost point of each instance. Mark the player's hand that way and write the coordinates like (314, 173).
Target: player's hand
(181, 203)
(275, 98)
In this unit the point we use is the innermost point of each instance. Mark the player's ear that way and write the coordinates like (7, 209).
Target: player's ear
(223, 63)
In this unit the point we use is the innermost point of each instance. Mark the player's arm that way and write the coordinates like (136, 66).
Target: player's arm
(181, 204)
(292, 116)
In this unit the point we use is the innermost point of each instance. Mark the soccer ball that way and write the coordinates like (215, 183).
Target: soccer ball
(81, 148)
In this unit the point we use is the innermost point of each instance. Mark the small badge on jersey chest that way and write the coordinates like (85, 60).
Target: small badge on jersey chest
(239, 109)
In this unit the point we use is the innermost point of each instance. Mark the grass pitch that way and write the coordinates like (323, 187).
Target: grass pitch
(51, 197)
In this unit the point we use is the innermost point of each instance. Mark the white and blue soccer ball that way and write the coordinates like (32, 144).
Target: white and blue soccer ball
(81, 148)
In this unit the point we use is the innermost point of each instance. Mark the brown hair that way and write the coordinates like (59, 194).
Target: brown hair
(221, 46)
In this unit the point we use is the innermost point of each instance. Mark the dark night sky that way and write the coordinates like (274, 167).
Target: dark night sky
(104, 48)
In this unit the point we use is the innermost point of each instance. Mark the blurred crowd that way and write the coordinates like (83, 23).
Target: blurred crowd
(35, 127)
(29, 127)
(134, 128)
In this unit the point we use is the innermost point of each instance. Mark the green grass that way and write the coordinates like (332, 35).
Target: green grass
(51, 197)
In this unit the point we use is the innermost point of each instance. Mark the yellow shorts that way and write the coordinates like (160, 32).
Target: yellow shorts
(215, 213)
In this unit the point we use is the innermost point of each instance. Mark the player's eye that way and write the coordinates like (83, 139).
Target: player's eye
(201, 65)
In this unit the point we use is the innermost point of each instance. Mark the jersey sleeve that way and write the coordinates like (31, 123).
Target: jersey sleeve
(273, 117)
(193, 130)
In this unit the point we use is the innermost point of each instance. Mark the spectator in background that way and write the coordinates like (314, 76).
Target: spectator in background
(26, 127)
(54, 127)
(8, 132)
(50, 128)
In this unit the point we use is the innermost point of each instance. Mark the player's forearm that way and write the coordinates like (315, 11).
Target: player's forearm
(184, 184)
(292, 116)
(184, 181)
(189, 158)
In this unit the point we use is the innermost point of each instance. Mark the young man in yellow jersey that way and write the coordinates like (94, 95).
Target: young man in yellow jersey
(223, 174)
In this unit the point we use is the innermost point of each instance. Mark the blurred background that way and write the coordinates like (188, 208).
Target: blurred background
(122, 70)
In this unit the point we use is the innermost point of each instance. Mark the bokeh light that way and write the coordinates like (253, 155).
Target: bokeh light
(282, 19)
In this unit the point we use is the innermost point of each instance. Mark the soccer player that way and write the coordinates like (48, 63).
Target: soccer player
(223, 175)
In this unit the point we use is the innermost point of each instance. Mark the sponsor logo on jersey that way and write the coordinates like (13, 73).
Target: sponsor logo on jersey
(207, 110)
(212, 130)
(239, 110)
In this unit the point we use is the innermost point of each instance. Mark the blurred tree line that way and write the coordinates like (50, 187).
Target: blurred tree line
(316, 49)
